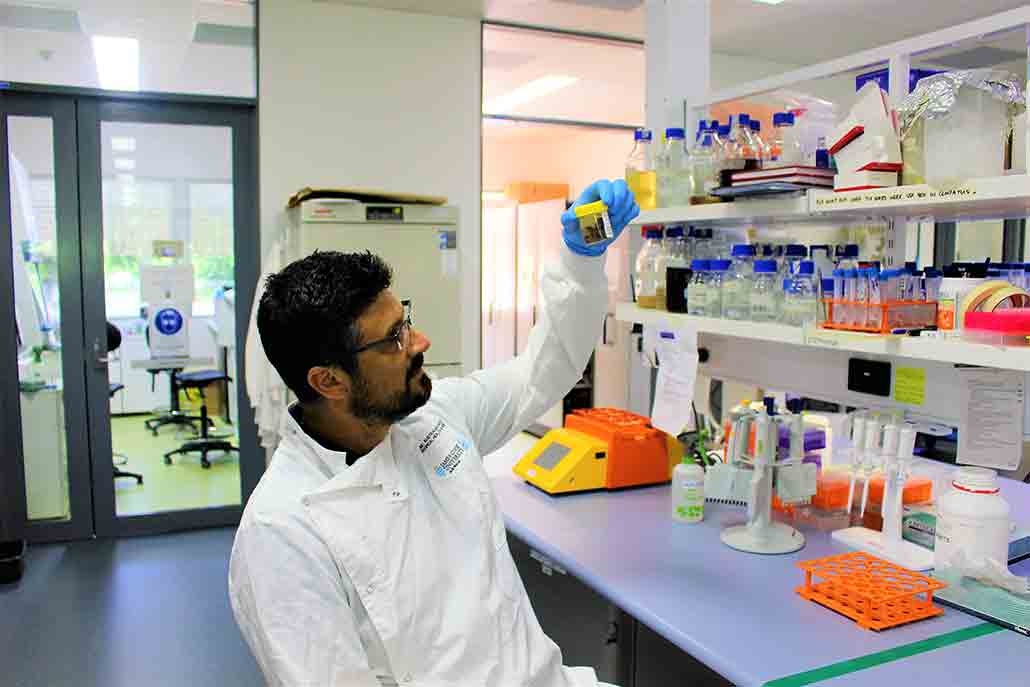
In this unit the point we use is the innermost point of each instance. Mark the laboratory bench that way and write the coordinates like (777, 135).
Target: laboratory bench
(684, 599)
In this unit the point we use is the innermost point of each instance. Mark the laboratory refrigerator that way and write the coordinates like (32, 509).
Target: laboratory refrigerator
(420, 243)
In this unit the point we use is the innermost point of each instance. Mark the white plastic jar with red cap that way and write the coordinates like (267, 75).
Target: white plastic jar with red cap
(972, 517)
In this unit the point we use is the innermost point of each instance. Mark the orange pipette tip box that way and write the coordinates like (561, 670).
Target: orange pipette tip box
(917, 490)
(875, 593)
(831, 492)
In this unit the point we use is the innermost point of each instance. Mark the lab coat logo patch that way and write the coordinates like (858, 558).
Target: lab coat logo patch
(452, 454)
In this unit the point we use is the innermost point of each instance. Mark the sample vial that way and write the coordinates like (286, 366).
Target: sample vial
(594, 224)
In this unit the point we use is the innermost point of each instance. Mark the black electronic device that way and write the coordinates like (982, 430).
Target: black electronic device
(869, 377)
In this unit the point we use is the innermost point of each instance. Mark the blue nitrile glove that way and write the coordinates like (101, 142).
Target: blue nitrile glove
(622, 208)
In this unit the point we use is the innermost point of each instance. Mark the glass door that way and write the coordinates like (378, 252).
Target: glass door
(129, 254)
(170, 252)
(44, 458)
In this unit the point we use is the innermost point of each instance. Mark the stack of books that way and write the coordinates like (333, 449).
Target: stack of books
(798, 175)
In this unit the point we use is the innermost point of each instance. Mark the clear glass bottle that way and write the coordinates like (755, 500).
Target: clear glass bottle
(706, 248)
(676, 245)
(801, 300)
(745, 150)
(736, 288)
(823, 259)
(702, 243)
(674, 171)
(786, 145)
(765, 292)
(640, 170)
(761, 147)
(716, 279)
(793, 254)
(704, 165)
(848, 258)
(697, 292)
(646, 268)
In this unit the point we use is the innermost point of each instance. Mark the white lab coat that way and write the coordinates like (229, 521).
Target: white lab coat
(266, 389)
(397, 568)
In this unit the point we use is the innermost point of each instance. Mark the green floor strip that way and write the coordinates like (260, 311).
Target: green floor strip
(872, 660)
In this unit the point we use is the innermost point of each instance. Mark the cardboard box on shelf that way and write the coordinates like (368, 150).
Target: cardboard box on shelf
(535, 191)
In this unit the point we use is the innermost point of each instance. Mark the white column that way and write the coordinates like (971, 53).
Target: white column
(678, 56)
(897, 231)
(678, 48)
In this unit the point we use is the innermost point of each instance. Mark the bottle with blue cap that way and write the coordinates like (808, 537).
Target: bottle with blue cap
(785, 145)
(697, 292)
(640, 170)
(673, 254)
(646, 278)
(736, 288)
(674, 171)
(744, 152)
(847, 257)
(765, 292)
(704, 166)
(761, 147)
(716, 278)
(800, 299)
(793, 254)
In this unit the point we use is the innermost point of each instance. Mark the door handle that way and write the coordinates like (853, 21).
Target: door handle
(604, 330)
(99, 350)
(490, 315)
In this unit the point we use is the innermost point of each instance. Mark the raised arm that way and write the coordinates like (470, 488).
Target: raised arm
(505, 399)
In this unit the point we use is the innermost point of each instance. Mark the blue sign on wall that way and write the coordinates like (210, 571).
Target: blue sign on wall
(168, 321)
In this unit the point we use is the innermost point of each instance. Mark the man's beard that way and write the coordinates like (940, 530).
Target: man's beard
(400, 405)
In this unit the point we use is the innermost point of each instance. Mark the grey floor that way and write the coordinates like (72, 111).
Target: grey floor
(148, 611)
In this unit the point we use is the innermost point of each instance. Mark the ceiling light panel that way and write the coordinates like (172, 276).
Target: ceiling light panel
(117, 61)
(537, 88)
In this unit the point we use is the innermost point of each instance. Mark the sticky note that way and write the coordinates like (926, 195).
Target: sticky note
(910, 385)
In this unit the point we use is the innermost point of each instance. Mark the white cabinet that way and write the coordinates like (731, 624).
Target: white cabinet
(46, 459)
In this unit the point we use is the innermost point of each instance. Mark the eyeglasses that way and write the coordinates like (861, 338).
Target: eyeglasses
(399, 338)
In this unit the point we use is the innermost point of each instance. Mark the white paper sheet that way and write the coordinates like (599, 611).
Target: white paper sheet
(677, 371)
(991, 422)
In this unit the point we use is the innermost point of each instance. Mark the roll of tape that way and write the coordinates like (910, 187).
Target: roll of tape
(977, 296)
(1011, 297)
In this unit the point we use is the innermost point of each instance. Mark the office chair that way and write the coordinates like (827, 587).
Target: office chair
(175, 414)
(204, 444)
(114, 341)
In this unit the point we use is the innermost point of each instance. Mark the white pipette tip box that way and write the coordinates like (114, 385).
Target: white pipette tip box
(903, 553)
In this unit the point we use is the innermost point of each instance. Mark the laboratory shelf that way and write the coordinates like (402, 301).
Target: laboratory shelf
(954, 351)
(1005, 197)
(764, 211)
